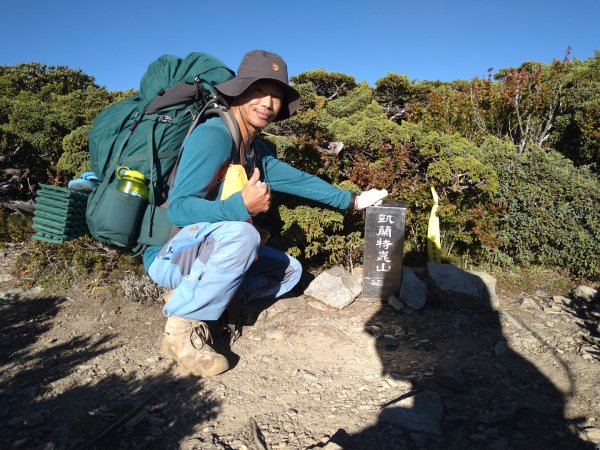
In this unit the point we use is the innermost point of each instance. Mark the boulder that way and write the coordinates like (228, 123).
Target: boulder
(458, 288)
(413, 291)
(335, 287)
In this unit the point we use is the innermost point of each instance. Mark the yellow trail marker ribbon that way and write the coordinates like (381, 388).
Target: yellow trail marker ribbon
(434, 245)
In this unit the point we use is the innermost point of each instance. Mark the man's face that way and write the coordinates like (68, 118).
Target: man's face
(260, 103)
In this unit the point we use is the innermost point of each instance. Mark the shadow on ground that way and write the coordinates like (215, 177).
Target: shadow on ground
(506, 402)
(102, 410)
(588, 313)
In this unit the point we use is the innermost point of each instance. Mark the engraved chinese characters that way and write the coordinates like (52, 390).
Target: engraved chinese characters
(384, 247)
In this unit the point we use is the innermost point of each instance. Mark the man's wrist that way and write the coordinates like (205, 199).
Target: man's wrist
(352, 203)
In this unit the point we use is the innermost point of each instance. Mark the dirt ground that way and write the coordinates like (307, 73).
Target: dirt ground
(82, 369)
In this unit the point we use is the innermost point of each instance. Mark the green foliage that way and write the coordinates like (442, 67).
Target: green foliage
(326, 84)
(315, 234)
(36, 130)
(75, 158)
(33, 77)
(367, 128)
(296, 152)
(352, 103)
(394, 92)
(576, 133)
(39, 107)
(552, 216)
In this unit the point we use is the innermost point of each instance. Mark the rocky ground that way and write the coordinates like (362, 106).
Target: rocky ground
(81, 369)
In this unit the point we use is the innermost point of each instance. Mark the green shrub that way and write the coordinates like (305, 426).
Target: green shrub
(552, 215)
(318, 235)
(75, 158)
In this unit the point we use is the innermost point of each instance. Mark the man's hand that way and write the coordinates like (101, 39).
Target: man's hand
(370, 198)
(256, 195)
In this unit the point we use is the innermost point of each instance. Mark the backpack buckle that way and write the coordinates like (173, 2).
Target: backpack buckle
(165, 119)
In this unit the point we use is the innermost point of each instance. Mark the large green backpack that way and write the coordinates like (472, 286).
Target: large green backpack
(145, 132)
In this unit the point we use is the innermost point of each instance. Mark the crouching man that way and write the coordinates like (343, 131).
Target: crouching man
(217, 252)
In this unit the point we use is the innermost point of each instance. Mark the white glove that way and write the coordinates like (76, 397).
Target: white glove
(370, 198)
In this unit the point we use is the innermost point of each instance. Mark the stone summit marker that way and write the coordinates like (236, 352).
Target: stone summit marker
(384, 250)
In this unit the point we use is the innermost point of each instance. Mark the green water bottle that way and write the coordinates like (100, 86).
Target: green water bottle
(131, 182)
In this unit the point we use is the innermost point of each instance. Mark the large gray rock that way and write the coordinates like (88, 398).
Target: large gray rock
(422, 412)
(335, 287)
(413, 291)
(458, 288)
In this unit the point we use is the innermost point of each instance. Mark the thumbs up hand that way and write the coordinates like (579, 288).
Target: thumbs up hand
(256, 194)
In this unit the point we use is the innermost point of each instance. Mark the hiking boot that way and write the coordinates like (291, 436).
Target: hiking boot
(188, 342)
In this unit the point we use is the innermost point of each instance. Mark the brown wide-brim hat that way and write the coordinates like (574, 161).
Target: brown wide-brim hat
(261, 65)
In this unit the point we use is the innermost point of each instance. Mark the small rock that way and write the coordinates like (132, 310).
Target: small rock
(397, 381)
(21, 443)
(422, 412)
(155, 420)
(34, 420)
(154, 431)
(560, 299)
(530, 304)
(500, 348)
(592, 435)
(390, 341)
(448, 373)
(586, 293)
(307, 376)
(136, 420)
(395, 303)
(374, 331)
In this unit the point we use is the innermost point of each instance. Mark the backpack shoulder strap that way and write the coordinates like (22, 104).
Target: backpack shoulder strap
(232, 126)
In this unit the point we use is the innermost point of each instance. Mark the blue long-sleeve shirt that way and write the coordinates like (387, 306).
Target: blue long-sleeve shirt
(195, 195)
